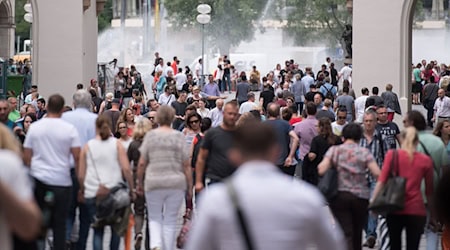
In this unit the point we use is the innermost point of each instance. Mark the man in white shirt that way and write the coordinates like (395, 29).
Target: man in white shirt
(441, 107)
(18, 211)
(84, 121)
(48, 146)
(167, 97)
(360, 105)
(180, 78)
(273, 218)
(198, 69)
(249, 105)
(340, 122)
(216, 114)
(346, 72)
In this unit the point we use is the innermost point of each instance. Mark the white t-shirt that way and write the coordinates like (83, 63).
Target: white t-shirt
(166, 100)
(198, 70)
(346, 72)
(51, 140)
(13, 175)
(247, 107)
(360, 106)
(337, 129)
(181, 79)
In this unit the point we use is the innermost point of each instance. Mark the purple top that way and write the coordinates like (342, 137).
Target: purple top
(211, 89)
(306, 130)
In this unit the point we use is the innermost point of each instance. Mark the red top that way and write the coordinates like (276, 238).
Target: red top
(293, 121)
(420, 168)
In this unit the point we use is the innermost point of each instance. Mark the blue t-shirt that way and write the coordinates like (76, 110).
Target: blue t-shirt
(282, 129)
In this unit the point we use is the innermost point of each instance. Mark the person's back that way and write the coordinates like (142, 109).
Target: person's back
(113, 115)
(433, 145)
(301, 220)
(346, 101)
(275, 219)
(242, 89)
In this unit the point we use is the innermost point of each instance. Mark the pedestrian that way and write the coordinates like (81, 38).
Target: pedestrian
(414, 167)
(103, 165)
(48, 148)
(388, 129)
(350, 204)
(441, 107)
(306, 130)
(442, 131)
(133, 153)
(212, 160)
(218, 225)
(390, 99)
(164, 171)
(84, 121)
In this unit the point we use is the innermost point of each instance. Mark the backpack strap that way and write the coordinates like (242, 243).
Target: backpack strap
(428, 153)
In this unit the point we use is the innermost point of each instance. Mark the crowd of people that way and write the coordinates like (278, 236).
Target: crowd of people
(183, 139)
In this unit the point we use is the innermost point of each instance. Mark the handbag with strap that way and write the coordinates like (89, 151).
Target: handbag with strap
(111, 204)
(391, 197)
(328, 183)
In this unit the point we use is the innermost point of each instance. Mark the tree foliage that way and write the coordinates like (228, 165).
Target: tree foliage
(319, 21)
(232, 21)
(105, 17)
(22, 27)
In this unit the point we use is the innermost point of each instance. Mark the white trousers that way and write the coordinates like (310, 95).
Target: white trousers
(163, 206)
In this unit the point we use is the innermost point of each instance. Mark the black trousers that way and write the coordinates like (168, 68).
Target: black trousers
(290, 170)
(414, 226)
(429, 105)
(56, 211)
(351, 213)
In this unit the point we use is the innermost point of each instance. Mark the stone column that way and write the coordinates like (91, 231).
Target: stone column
(382, 47)
(57, 46)
(90, 31)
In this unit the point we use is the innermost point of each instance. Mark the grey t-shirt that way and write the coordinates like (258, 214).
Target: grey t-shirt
(242, 89)
(348, 102)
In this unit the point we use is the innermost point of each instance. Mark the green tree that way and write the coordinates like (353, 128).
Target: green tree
(232, 21)
(105, 17)
(318, 21)
(22, 27)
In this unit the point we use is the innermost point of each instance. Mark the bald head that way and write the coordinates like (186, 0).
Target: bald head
(273, 110)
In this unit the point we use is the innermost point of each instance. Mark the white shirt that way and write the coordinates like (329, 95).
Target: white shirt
(337, 129)
(167, 70)
(247, 107)
(360, 106)
(276, 219)
(102, 166)
(442, 107)
(181, 79)
(166, 100)
(203, 113)
(345, 72)
(198, 70)
(13, 175)
(160, 68)
(216, 117)
(51, 140)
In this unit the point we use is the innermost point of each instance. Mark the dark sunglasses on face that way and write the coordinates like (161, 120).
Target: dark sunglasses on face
(193, 121)
(342, 117)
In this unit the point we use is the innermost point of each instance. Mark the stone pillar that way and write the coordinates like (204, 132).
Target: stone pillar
(90, 31)
(437, 9)
(382, 47)
(57, 46)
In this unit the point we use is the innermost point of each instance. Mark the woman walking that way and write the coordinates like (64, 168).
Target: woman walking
(350, 204)
(165, 163)
(103, 165)
(414, 167)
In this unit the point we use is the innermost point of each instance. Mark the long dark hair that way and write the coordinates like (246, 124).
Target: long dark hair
(195, 114)
(326, 131)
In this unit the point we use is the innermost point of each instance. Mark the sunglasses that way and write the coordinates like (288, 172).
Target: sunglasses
(194, 121)
(342, 117)
(122, 127)
(151, 117)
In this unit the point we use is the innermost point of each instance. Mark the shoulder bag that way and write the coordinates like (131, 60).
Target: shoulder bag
(391, 197)
(328, 183)
(111, 204)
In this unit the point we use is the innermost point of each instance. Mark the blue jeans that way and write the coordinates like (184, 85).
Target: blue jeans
(89, 207)
(372, 220)
(226, 82)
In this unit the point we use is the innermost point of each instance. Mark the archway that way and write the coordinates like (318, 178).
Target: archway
(6, 30)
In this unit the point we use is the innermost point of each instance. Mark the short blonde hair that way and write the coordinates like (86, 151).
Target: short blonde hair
(165, 115)
(141, 127)
(8, 141)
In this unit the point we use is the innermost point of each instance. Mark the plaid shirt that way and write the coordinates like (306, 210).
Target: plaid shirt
(378, 147)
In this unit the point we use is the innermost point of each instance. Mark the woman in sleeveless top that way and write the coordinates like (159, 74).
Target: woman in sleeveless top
(165, 165)
(192, 128)
(103, 165)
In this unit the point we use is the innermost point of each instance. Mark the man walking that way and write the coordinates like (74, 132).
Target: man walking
(306, 130)
(441, 107)
(213, 154)
(291, 220)
(286, 138)
(430, 94)
(84, 121)
(48, 146)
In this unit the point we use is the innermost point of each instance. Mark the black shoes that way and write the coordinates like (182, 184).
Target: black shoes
(370, 242)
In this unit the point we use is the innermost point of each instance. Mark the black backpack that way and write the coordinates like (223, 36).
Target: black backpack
(329, 94)
(196, 150)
